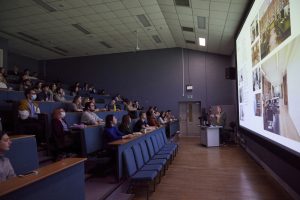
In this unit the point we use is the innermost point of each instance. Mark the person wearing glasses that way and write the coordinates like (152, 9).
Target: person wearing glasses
(29, 111)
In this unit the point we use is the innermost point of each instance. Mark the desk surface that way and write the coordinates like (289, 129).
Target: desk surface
(19, 182)
(125, 141)
(13, 137)
(210, 126)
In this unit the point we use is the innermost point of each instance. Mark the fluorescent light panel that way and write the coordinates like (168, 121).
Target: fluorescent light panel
(202, 42)
(105, 44)
(60, 49)
(190, 42)
(201, 22)
(44, 5)
(80, 28)
(143, 19)
(182, 3)
(28, 36)
(156, 38)
(188, 29)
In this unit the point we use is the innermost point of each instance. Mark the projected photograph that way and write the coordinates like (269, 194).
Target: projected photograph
(241, 95)
(255, 53)
(280, 91)
(256, 78)
(254, 29)
(257, 105)
(274, 24)
(241, 112)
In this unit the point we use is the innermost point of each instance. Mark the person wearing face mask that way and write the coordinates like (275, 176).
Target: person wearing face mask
(6, 169)
(89, 116)
(61, 135)
(29, 111)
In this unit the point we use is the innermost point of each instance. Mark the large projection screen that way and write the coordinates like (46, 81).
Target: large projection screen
(268, 67)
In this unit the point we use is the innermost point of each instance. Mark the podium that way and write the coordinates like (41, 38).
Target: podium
(210, 136)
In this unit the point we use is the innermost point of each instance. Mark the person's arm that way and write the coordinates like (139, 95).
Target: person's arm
(10, 170)
(87, 119)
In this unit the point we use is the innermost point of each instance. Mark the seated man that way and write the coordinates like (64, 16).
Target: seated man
(6, 170)
(44, 95)
(28, 115)
(59, 95)
(89, 116)
(141, 123)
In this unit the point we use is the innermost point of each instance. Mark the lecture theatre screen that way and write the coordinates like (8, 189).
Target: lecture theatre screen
(268, 66)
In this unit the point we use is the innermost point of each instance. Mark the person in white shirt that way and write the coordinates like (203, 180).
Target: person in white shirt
(89, 117)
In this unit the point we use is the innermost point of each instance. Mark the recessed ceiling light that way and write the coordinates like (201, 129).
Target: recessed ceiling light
(202, 42)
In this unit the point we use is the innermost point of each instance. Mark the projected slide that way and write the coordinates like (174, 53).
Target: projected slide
(268, 66)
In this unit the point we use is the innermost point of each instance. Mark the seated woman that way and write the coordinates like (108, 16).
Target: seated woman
(124, 127)
(152, 120)
(63, 140)
(131, 109)
(112, 106)
(93, 100)
(111, 133)
(141, 123)
(89, 116)
(76, 105)
(38, 87)
(6, 170)
(162, 118)
(3, 81)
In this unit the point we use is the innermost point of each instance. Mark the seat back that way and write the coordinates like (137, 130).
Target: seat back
(150, 147)
(154, 143)
(163, 134)
(161, 138)
(129, 161)
(159, 142)
(138, 156)
(145, 152)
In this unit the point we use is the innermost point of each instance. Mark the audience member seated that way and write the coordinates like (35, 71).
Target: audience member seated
(26, 84)
(162, 118)
(169, 116)
(150, 111)
(76, 105)
(44, 95)
(112, 106)
(93, 100)
(124, 127)
(52, 90)
(92, 89)
(89, 117)
(137, 105)
(14, 75)
(6, 169)
(111, 133)
(38, 87)
(14, 72)
(155, 111)
(118, 98)
(28, 115)
(141, 124)
(85, 100)
(60, 95)
(62, 138)
(3, 82)
(131, 109)
(26, 75)
(74, 90)
(152, 120)
(85, 87)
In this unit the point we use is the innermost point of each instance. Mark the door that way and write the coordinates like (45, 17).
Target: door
(189, 113)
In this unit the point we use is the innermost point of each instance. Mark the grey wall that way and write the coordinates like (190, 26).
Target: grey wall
(152, 77)
(4, 46)
(22, 61)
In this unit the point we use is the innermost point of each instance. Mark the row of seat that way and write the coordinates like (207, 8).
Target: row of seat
(148, 160)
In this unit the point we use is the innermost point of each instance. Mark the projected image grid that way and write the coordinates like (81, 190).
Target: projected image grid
(275, 101)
